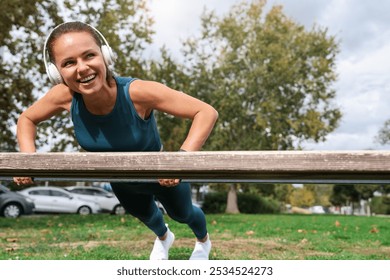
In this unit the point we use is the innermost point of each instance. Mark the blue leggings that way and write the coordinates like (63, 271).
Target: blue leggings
(138, 200)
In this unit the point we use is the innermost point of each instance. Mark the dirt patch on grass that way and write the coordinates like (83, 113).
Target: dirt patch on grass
(234, 249)
(224, 248)
(383, 251)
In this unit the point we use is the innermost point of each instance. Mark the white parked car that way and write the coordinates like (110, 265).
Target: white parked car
(106, 200)
(58, 200)
(318, 209)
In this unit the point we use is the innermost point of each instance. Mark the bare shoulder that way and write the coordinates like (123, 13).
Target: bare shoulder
(56, 100)
(59, 96)
(145, 91)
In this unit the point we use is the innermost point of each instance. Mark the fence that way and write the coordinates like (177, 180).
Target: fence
(227, 166)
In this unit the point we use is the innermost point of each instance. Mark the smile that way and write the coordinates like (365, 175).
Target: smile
(88, 78)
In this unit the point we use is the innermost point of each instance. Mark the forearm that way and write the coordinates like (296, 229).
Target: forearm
(26, 134)
(201, 127)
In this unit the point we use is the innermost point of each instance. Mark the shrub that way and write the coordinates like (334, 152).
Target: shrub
(380, 205)
(255, 204)
(214, 202)
(247, 203)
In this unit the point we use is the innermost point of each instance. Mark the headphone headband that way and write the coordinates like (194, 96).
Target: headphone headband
(51, 69)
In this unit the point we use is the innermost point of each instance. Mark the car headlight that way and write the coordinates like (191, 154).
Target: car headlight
(29, 200)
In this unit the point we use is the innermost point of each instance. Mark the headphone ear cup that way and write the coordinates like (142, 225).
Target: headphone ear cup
(54, 74)
(108, 55)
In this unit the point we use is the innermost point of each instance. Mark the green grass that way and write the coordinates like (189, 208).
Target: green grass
(234, 237)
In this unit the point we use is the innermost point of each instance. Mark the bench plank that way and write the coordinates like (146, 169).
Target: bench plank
(259, 166)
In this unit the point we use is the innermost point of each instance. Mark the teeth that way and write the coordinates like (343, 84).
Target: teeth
(87, 79)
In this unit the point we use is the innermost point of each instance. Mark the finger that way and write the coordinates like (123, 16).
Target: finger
(169, 182)
(23, 180)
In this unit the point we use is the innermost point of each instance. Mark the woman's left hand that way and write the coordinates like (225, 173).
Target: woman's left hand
(169, 182)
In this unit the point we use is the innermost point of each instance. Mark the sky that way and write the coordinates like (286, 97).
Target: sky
(363, 65)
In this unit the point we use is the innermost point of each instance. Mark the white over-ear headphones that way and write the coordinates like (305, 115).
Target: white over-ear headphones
(51, 69)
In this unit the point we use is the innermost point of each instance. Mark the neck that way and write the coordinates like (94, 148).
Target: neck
(102, 102)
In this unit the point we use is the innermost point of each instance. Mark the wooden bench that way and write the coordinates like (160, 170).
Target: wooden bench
(371, 167)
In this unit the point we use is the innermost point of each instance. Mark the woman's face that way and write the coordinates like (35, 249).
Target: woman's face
(80, 62)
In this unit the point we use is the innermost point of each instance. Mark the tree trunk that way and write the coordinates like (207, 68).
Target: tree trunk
(231, 205)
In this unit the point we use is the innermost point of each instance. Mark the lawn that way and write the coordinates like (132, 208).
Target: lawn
(234, 237)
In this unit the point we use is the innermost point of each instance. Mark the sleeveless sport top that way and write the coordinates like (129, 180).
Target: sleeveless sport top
(121, 130)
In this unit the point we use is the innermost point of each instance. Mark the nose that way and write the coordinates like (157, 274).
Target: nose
(82, 67)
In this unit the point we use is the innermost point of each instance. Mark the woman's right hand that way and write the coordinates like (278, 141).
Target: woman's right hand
(23, 180)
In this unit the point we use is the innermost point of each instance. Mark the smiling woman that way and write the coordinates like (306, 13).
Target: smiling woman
(114, 114)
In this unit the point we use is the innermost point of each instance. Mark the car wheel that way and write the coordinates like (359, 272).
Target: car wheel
(12, 210)
(119, 210)
(84, 210)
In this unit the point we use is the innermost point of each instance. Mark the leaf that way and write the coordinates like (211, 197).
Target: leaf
(374, 230)
(12, 240)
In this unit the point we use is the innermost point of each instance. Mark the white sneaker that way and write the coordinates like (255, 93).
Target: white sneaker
(161, 247)
(201, 250)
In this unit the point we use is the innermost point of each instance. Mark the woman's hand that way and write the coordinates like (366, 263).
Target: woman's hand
(169, 182)
(23, 180)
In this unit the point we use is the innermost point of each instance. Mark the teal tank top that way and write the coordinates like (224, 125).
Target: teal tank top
(122, 130)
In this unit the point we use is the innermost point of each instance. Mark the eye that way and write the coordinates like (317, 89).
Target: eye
(67, 63)
(90, 55)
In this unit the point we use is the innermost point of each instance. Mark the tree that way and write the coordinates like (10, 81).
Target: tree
(344, 194)
(366, 191)
(349, 194)
(384, 189)
(17, 65)
(322, 193)
(383, 136)
(283, 193)
(269, 78)
(125, 23)
(302, 197)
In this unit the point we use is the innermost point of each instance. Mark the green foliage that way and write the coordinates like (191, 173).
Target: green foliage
(344, 195)
(18, 63)
(269, 78)
(385, 189)
(310, 195)
(366, 191)
(302, 197)
(255, 204)
(349, 193)
(321, 193)
(215, 202)
(380, 205)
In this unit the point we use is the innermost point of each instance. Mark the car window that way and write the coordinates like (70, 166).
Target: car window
(87, 192)
(39, 192)
(58, 193)
(79, 191)
(96, 192)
